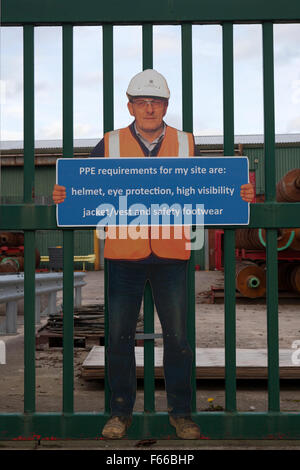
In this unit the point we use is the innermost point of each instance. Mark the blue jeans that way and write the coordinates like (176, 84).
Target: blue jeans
(126, 283)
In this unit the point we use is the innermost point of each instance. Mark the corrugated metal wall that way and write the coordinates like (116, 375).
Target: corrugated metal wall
(287, 158)
(12, 181)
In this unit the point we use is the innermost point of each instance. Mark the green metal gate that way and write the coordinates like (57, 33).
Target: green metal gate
(29, 217)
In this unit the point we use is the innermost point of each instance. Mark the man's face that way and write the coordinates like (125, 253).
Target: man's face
(148, 112)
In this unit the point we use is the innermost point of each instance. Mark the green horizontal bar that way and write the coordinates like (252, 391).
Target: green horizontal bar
(272, 215)
(27, 217)
(159, 11)
(30, 217)
(214, 425)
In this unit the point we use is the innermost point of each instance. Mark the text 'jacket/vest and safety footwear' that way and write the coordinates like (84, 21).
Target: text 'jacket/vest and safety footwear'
(164, 242)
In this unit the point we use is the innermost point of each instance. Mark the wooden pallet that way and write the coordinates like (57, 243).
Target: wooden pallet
(217, 292)
(251, 364)
(46, 339)
(89, 326)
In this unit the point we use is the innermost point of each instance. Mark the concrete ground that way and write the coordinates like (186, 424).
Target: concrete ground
(89, 395)
(171, 445)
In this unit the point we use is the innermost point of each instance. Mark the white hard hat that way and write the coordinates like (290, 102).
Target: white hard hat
(148, 83)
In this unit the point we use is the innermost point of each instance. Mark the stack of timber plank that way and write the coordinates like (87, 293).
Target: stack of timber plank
(89, 327)
(210, 363)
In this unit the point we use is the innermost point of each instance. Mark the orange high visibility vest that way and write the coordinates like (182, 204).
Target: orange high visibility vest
(136, 243)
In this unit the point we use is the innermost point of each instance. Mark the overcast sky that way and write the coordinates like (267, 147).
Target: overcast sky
(207, 78)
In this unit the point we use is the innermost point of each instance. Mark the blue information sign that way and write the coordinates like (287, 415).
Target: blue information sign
(152, 191)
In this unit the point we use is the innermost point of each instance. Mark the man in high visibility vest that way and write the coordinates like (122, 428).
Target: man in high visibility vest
(162, 261)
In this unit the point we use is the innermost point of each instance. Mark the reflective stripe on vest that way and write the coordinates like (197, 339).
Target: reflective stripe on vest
(183, 141)
(114, 144)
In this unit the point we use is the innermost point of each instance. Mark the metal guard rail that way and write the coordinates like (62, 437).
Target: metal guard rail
(12, 290)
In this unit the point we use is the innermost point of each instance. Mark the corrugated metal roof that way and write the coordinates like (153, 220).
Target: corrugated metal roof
(246, 139)
(200, 140)
(47, 144)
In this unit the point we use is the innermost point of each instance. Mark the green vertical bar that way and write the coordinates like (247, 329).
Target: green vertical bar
(230, 321)
(106, 335)
(149, 366)
(187, 125)
(147, 46)
(269, 116)
(149, 376)
(28, 36)
(191, 330)
(29, 236)
(272, 321)
(108, 78)
(187, 77)
(229, 235)
(108, 125)
(29, 321)
(228, 90)
(270, 196)
(68, 235)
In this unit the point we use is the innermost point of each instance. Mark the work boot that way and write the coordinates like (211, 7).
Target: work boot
(116, 427)
(185, 427)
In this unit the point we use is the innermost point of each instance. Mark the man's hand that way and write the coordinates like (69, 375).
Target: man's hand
(59, 194)
(247, 192)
